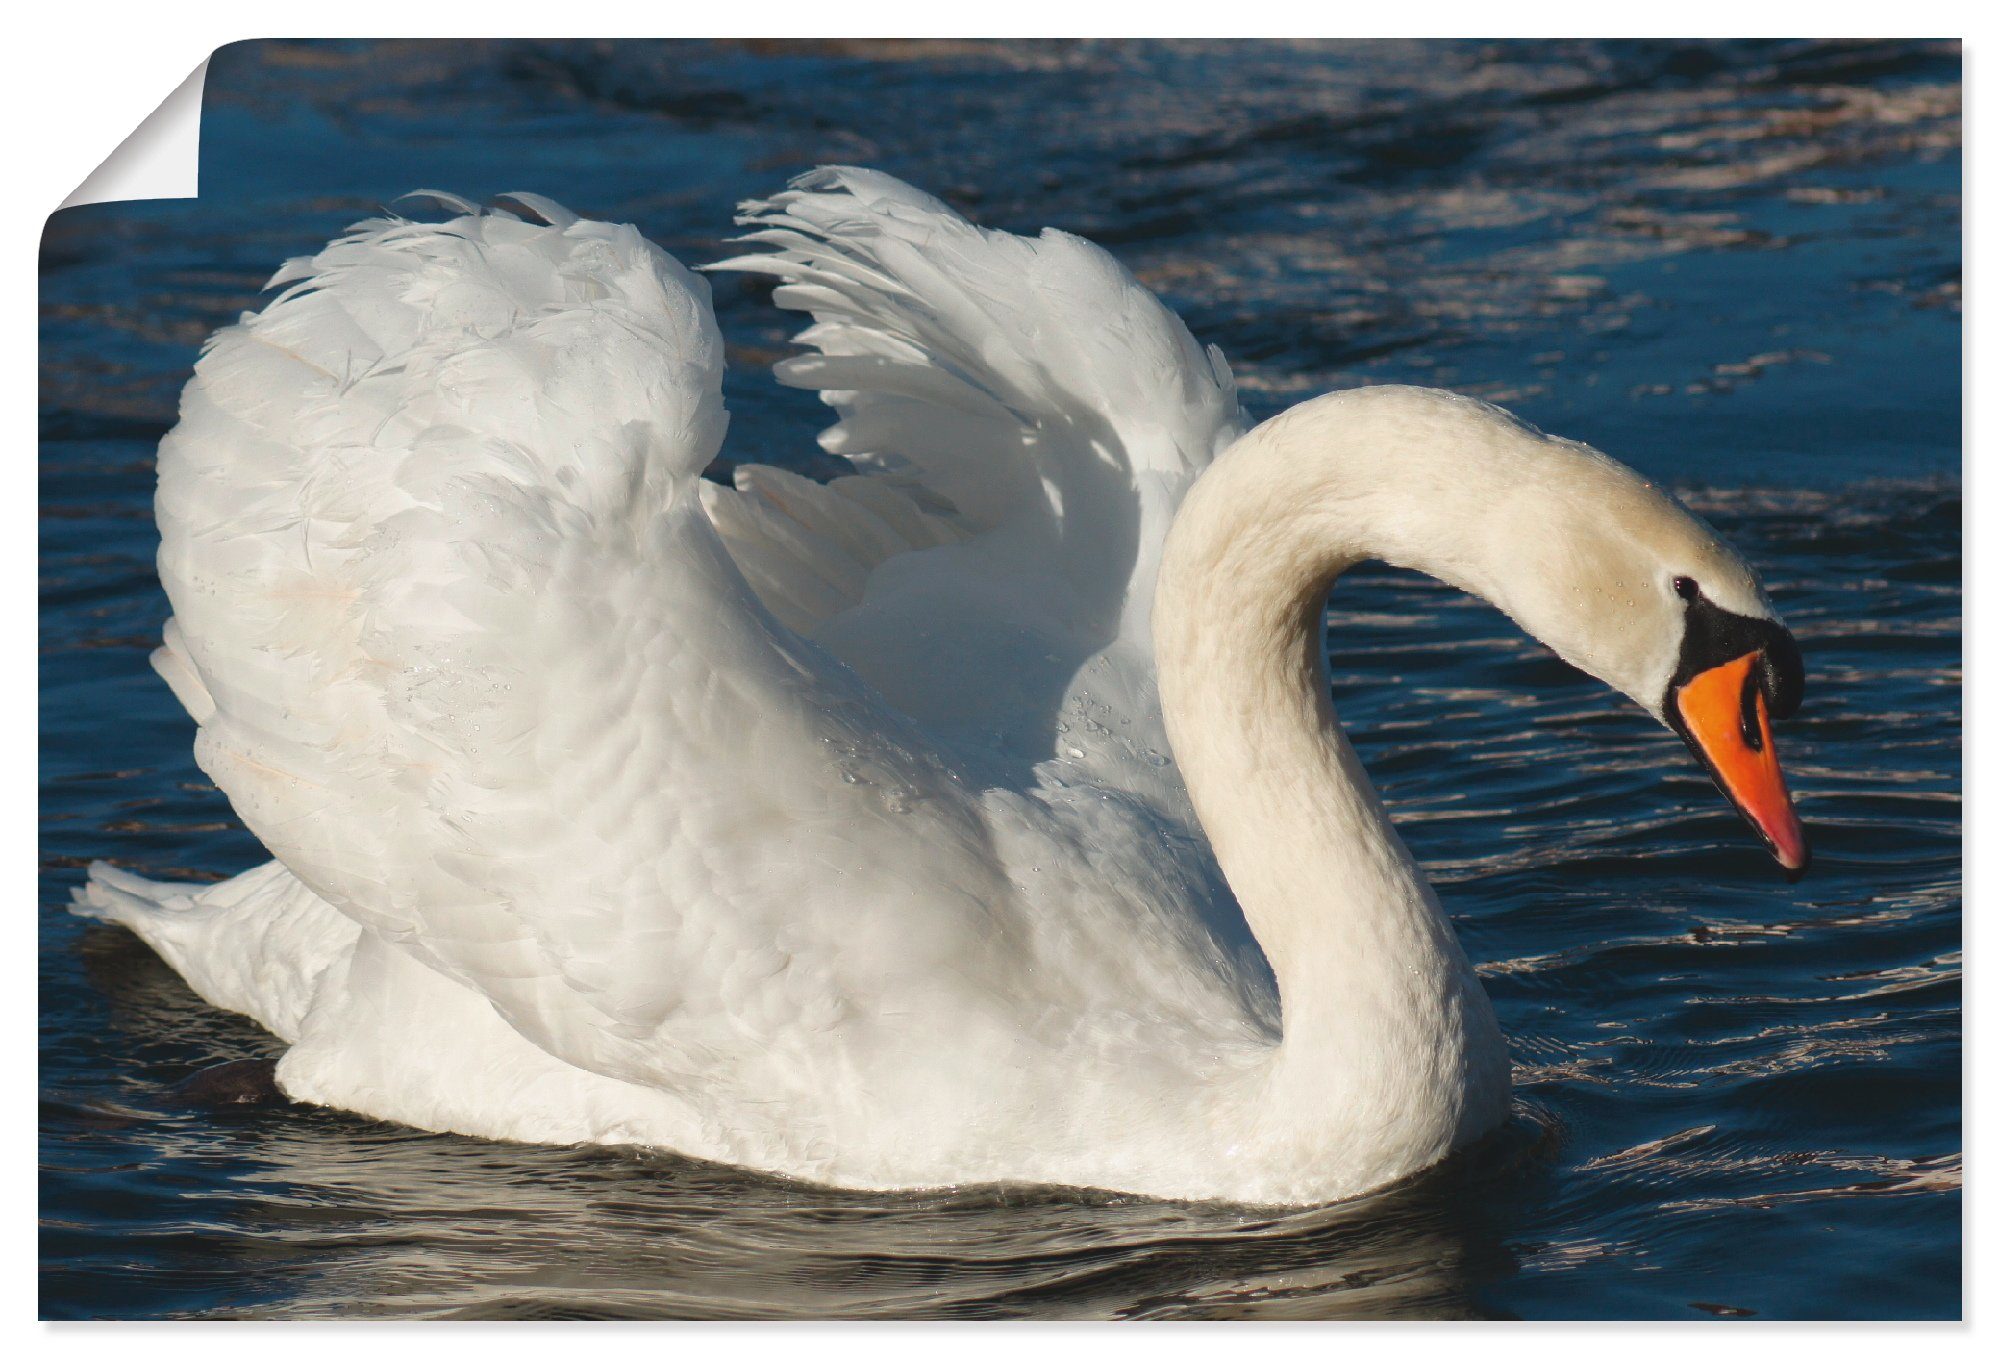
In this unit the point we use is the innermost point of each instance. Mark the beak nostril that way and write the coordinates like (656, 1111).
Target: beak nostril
(1752, 714)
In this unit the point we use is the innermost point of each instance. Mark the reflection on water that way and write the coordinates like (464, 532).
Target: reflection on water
(1735, 265)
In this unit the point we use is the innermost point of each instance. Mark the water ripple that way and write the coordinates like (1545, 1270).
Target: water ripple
(1733, 264)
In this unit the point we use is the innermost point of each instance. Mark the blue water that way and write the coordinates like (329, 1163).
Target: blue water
(1735, 266)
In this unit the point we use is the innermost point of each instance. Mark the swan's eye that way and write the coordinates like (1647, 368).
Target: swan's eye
(1685, 587)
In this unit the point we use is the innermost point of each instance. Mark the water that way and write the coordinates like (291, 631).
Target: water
(1735, 266)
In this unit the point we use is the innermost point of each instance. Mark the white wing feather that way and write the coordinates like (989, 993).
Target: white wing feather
(472, 660)
(478, 671)
(1028, 398)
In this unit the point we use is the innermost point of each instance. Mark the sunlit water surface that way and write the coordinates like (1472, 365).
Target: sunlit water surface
(1735, 266)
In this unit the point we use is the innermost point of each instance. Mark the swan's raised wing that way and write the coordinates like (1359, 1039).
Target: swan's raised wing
(470, 659)
(1025, 417)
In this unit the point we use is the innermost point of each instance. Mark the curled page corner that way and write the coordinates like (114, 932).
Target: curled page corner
(162, 157)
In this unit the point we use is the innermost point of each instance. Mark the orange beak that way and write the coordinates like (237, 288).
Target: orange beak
(1721, 714)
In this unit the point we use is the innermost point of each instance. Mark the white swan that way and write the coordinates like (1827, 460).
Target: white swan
(874, 832)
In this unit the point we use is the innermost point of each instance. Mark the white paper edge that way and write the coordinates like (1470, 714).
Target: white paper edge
(162, 157)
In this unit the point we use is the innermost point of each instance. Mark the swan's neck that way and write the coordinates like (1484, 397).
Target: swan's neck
(1374, 988)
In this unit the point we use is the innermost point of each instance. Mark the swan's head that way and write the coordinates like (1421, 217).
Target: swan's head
(1624, 583)
(1589, 557)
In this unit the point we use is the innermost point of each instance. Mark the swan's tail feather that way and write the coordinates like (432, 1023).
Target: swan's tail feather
(255, 945)
(112, 895)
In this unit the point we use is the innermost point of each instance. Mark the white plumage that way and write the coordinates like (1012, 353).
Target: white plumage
(835, 830)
